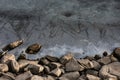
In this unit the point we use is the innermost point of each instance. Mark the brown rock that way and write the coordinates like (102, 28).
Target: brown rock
(36, 77)
(71, 76)
(3, 68)
(23, 63)
(87, 64)
(82, 77)
(43, 61)
(104, 60)
(51, 58)
(24, 76)
(14, 66)
(96, 65)
(8, 75)
(12, 45)
(54, 65)
(73, 65)
(116, 53)
(7, 58)
(49, 78)
(66, 58)
(113, 59)
(34, 68)
(92, 77)
(56, 72)
(46, 69)
(4, 78)
(33, 49)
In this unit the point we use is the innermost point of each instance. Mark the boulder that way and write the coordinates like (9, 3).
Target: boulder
(96, 65)
(66, 58)
(43, 61)
(52, 58)
(54, 65)
(70, 76)
(73, 65)
(12, 45)
(23, 63)
(7, 58)
(92, 77)
(56, 72)
(24, 76)
(36, 77)
(104, 60)
(34, 68)
(92, 72)
(14, 66)
(3, 68)
(33, 49)
(86, 63)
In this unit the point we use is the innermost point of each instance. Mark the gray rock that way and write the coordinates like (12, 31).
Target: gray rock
(56, 72)
(24, 76)
(43, 61)
(67, 57)
(92, 77)
(86, 63)
(8, 75)
(14, 66)
(3, 68)
(82, 77)
(70, 76)
(116, 53)
(34, 68)
(46, 70)
(92, 72)
(73, 65)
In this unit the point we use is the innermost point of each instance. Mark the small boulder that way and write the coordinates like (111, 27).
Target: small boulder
(71, 76)
(96, 65)
(86, 63)
(24, 76)
(54, 65)
(36, 77)
(52, 58)
(92, 72)
(33, 49)
(92, 77)
(3, 68)
(73, 65)
(34, 68)
(12, 45)
(14, 66)
(43, 61)
(116, 53)
(66, 58)
(46, 70)
(104, 60)
(7, 58)
(56, 72)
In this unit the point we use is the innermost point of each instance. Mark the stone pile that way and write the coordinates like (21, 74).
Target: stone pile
(66, 67)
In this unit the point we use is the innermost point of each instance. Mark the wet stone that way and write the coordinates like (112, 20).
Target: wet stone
(33, 49)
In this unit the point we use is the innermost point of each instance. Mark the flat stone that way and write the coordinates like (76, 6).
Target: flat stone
(92, 77)
(34, 68)
(66, 58)
(3, 68)
(24, 76)
(56, 72)
(73, 65)
(14, 66)
(86, 63)
(33, 49)
(71, 75)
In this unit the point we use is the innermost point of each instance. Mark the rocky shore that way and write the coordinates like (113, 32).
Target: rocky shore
(106, 67)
